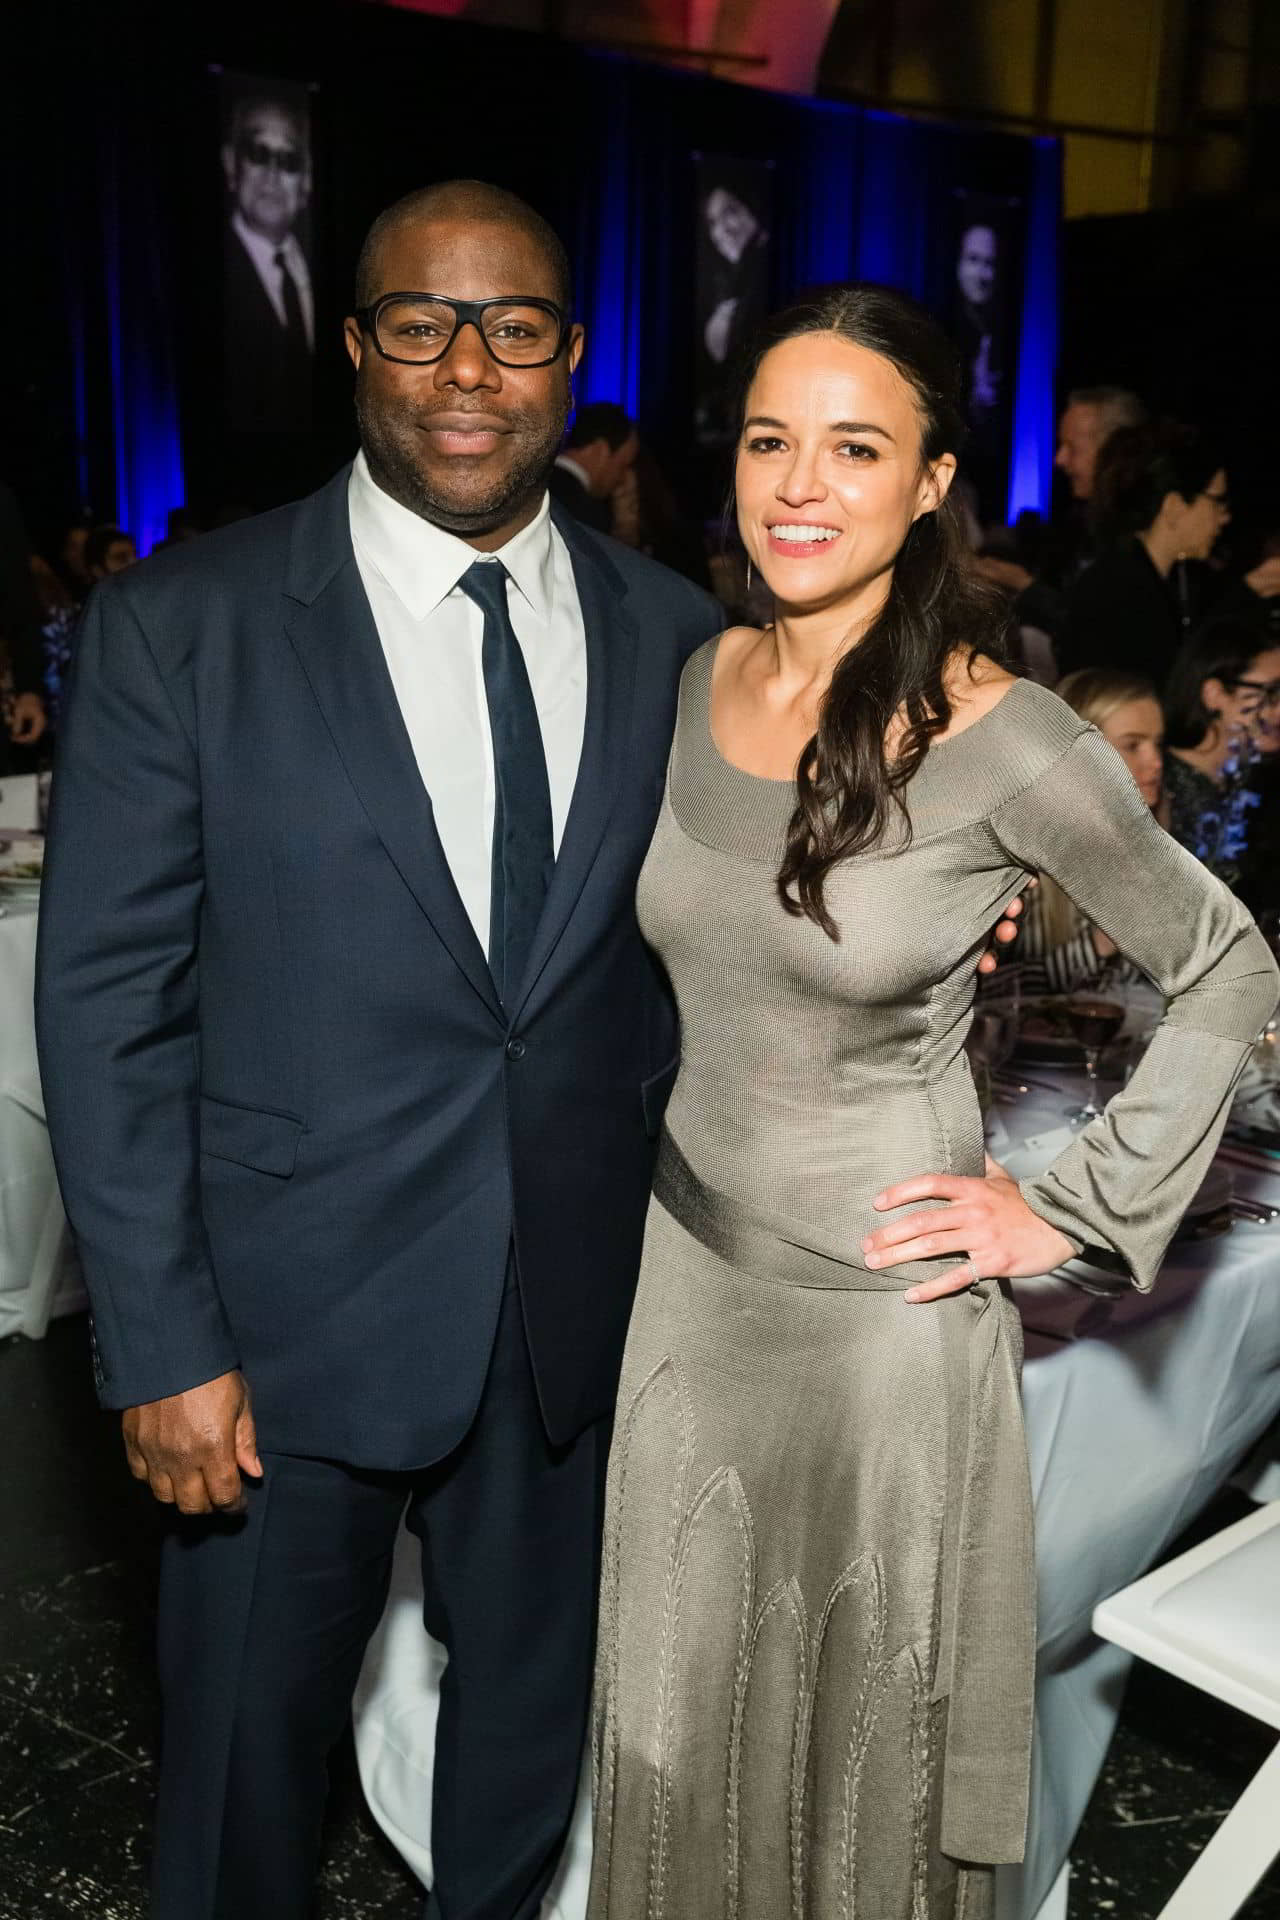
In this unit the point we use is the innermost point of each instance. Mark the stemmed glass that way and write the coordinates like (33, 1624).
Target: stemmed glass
(1095, 1023)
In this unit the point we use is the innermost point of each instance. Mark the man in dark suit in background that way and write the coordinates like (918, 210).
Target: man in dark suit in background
(599, 451)
(355, 1060)
(268, 309)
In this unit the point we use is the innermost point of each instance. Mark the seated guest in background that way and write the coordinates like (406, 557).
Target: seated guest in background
(1089, 419)
(1222, 706)
(647, 516)
(21, 652)
(182, 524)
(1014, 559)
(600, 447)
(1163, 501)
(108, 550)
(1059, 949)
(69, 559)
(59, 617)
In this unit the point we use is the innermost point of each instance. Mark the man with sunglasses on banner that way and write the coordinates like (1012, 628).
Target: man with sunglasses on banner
(355, 1062)
(269, 311)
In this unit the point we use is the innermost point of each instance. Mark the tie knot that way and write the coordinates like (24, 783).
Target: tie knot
(485, 582)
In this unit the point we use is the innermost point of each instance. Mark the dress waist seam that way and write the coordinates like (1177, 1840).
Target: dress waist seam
(765, 1245)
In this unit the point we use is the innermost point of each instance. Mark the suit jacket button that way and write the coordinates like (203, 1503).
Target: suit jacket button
(516, 1049)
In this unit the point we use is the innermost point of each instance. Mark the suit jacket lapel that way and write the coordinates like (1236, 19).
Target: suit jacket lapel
(332, 630)
(611, 667)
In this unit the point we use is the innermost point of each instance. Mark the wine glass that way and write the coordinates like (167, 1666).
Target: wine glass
(1095, 1023)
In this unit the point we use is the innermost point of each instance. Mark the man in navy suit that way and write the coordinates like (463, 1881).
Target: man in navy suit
(355, 1060)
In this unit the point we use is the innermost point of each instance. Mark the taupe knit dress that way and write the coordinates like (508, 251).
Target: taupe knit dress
(817, 1623)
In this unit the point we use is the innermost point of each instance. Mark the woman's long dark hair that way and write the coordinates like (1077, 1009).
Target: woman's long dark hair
(938, 607)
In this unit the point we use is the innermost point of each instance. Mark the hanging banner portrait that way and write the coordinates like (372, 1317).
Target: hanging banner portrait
(983, 294)
(268, 305)
(731, 292)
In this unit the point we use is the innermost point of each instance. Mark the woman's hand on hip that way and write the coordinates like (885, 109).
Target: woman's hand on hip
(986, 1222)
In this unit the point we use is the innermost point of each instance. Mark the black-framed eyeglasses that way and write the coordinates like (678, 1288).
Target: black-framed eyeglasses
(418, 328)
(256, 153)
(1268, 691)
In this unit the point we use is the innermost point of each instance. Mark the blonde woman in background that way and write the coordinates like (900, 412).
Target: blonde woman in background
(1059, 950)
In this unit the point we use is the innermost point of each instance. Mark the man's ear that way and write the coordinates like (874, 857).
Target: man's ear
(935, 485)
(353, 340)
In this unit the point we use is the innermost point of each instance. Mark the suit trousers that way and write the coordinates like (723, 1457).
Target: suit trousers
(264, 1622)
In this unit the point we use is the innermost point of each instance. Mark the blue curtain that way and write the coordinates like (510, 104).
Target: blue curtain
(1031, 469)
(857, 194)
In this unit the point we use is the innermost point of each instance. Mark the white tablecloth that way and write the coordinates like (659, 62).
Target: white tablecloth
(1131, 1427)
(38, 1274)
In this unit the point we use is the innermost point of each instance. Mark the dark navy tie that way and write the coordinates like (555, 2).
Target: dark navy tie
(523, 843)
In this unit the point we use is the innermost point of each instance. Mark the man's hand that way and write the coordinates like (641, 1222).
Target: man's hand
(1265, 578)
(28, 720)
(1010, 574)
(1005, 933)
(193, 1447)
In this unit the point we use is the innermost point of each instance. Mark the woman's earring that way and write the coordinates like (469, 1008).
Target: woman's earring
(748, 576)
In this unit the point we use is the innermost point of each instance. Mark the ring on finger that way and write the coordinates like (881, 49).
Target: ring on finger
(972, 1265)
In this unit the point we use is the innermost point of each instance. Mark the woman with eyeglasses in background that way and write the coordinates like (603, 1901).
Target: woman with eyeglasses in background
(1222, 708)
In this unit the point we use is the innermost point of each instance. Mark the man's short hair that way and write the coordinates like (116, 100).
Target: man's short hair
(475, 200)
(601, 420)
(1118, 406)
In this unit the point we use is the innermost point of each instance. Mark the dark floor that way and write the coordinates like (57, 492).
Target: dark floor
(77, 1702)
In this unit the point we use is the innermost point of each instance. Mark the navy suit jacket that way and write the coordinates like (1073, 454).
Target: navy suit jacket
(295, 1130)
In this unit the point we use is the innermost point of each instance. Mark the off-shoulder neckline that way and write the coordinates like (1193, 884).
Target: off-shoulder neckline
(770, 780)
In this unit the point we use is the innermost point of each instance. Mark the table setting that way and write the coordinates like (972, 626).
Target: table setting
(1138, 1406)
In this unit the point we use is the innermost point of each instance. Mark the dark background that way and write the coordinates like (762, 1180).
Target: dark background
(112, 203)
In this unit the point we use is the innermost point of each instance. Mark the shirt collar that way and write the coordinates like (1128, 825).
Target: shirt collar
(263, 251)
(422, 564)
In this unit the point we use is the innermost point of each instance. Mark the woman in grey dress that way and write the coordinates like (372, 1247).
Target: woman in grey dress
(817, 1625)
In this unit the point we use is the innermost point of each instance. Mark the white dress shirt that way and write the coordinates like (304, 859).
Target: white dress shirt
(262, 252)
(431, 635)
